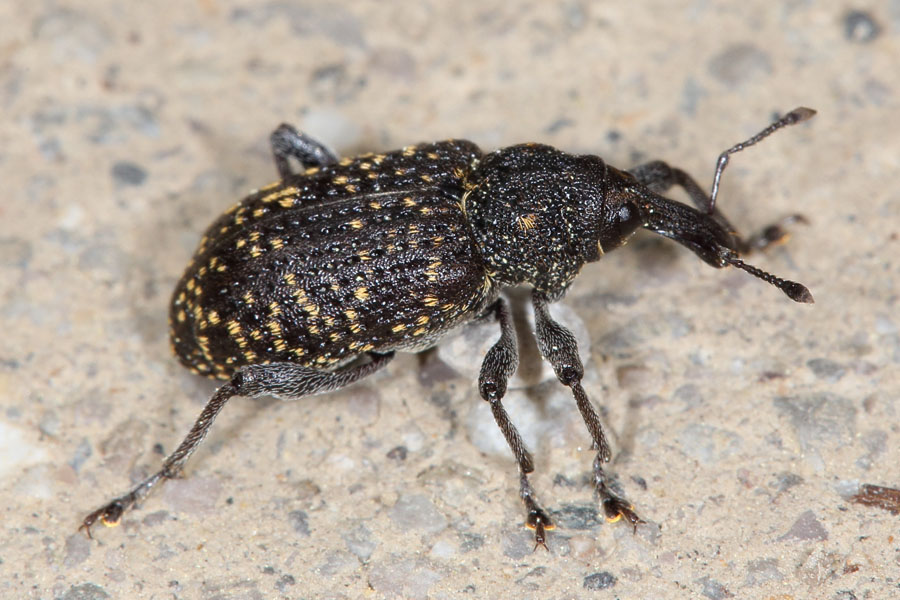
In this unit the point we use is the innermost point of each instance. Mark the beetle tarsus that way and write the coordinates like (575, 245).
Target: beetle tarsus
(110, 515)
(617, 509)
(540, 523)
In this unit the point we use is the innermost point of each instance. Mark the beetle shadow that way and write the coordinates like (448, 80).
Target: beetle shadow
(167, 233)
(530, 359)
(625, 438)
(162, 240)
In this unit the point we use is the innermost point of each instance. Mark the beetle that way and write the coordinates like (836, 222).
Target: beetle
(315, 281)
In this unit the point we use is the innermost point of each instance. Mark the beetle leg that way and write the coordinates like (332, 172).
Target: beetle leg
(283, 380)
(289, 381)
(658, 177)
(287, 142)
(558, 346)
(499, 364)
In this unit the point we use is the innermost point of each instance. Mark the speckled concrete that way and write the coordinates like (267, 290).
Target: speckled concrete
(743, 423)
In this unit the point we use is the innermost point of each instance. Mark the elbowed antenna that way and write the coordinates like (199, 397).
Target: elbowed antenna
(795, 291)
(798, 115)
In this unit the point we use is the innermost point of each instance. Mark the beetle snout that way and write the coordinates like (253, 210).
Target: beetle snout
(706, 235)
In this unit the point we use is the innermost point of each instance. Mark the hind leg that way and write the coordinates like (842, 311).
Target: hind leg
(287, 142)
(283, 380)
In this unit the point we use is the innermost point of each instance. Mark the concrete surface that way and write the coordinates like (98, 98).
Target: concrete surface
(743, 423)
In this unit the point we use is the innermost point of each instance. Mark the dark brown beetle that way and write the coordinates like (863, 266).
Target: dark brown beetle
(314, 282)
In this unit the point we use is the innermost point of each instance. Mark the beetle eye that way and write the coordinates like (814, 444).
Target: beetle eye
(621, 224)
(629, 219)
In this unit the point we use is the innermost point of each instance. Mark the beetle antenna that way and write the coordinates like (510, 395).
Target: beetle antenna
(797, 115)
(795, 291)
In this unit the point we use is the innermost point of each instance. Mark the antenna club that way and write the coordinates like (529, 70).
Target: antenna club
(800, 114)
(797, 292)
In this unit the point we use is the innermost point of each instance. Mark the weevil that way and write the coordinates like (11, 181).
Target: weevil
(314, 282)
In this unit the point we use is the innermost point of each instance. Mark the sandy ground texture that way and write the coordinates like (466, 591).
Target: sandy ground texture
(742, 423)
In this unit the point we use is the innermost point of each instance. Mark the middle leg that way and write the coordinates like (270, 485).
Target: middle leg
(499, 364)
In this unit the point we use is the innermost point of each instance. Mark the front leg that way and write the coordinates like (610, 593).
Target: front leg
(558, 346)
(658, 177)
